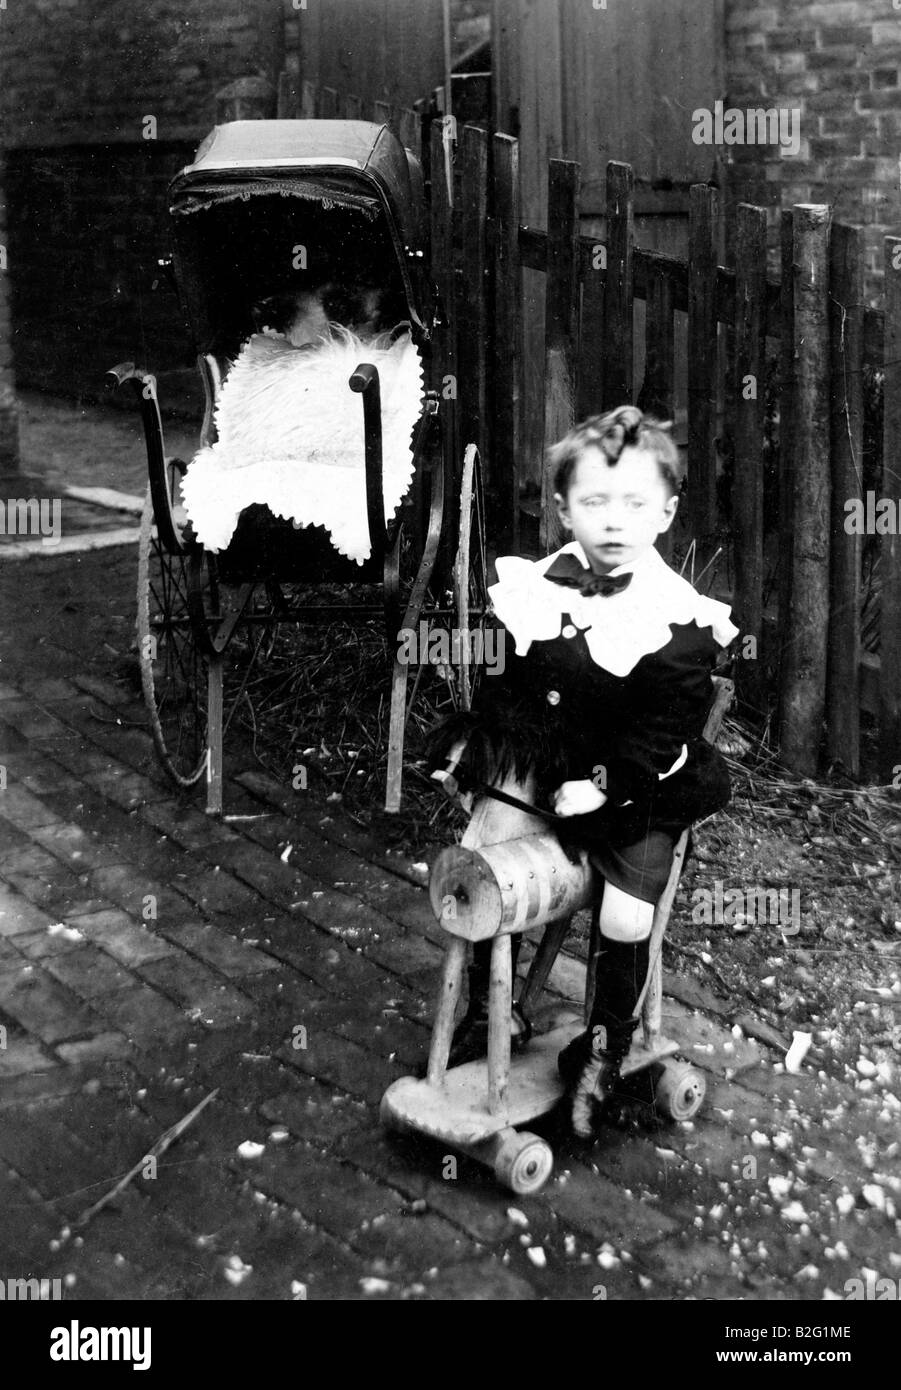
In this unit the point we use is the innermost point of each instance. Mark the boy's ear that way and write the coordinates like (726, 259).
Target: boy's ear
(562, 508)
(670, 508)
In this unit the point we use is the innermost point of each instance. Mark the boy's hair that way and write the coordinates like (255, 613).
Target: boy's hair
(611, 433)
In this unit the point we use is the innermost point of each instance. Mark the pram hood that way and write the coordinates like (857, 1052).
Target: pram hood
(358, 167)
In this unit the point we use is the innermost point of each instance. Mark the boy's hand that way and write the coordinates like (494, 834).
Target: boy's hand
(577, 798)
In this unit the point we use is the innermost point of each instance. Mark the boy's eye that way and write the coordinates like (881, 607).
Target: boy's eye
(636, 504)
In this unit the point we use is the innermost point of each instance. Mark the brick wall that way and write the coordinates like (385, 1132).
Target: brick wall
(838, 62)
(87, 213)
(9, 425)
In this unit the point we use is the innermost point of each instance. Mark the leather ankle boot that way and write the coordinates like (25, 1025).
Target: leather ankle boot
(590, 1065)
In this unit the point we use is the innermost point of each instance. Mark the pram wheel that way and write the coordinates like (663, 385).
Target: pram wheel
(185, 620)
(679, 1089)
(523, 1163)
(169, 661)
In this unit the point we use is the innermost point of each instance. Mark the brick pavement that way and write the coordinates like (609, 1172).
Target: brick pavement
(149, 954)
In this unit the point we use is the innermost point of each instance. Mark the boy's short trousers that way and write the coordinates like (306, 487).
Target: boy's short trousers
(640, 869)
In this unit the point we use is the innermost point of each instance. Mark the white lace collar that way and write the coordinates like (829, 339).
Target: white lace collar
(620, 629)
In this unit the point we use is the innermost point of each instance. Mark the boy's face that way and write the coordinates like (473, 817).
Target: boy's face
(616, 512)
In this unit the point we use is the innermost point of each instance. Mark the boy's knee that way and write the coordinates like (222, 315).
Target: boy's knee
(624, 918)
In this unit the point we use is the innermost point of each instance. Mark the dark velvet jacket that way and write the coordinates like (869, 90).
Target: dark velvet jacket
(555, 710)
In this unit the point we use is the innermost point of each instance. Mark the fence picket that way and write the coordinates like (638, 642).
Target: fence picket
(590, 384)
(328, 104)
(786, 423)
(443, 277)
(507, 358)
(804, 635)
(475, 334)
(618, 294)
(747, 483)
(560, 325)
(890, 544)
(702, 359)
(846, 289)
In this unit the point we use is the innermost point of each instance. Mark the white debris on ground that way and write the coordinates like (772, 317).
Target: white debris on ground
(66, 933)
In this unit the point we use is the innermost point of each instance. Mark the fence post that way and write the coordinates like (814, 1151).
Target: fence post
(474, 216)
(561, 312)
(9, 416)
(590, 374)
(618, 291)
(890, 544)
(508, 340)
(846, 339)
(657, 395)
(657, 392)
(786, 421)
(442, 253)
(702, 359)
(804, 672)
(748, 393)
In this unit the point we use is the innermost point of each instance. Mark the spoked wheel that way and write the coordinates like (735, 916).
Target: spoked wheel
(471, 577)
(198, 642)
(173, 670)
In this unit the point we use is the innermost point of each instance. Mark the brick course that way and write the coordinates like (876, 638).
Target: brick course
(839, 64)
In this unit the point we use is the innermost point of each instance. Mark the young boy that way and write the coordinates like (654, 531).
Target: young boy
(605, 700)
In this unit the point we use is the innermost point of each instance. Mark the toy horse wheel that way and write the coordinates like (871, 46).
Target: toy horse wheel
(471, 574)
(524, 1163)
(679, 1089)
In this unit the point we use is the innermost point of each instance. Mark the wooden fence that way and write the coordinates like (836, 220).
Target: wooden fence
(795, 587)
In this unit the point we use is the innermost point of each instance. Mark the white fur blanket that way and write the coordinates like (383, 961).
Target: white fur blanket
(290, 435)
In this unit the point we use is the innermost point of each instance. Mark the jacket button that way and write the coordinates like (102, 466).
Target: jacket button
(553, 697)
(569, 631)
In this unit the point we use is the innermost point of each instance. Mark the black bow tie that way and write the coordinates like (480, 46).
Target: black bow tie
(567, 570)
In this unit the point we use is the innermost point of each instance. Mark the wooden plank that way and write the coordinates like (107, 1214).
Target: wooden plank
(287, 97)
(508, 337)
(475, 328)
(747, 483)
(657, 392)
(702, 360)
(846, 291)
(383, 113)
(445, 356)
(662, 58)
(505, 66)
(408, 126)
(591, 270)
(657, 395)
(308, 101)
(561, 313)
(804, 676)
(618, 288)
(786, 424)
(890, 545)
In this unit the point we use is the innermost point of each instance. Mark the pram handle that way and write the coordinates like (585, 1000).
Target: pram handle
(365, 380)
(143, 384)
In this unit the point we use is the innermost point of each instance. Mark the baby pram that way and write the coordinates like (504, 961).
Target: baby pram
(273, 213)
